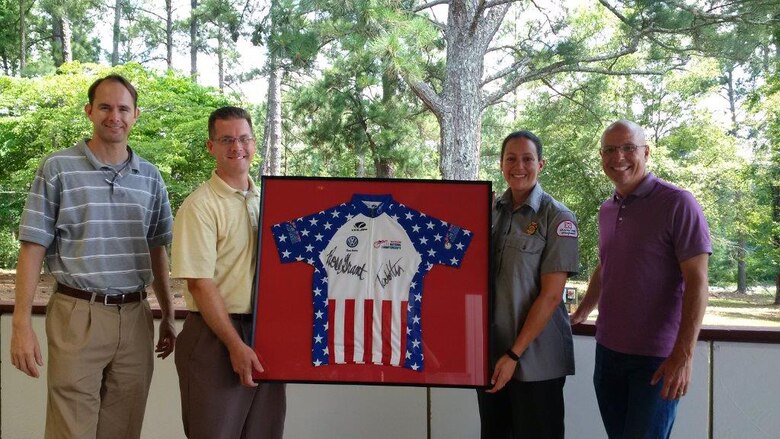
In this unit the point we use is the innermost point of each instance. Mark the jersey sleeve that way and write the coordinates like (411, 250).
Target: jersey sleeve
(437, 241)
(304, 238)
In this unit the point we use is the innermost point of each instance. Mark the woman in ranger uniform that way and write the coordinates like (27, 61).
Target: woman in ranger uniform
(534, 250)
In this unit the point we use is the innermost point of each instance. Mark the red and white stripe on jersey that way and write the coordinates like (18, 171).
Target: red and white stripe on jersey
(367, 331)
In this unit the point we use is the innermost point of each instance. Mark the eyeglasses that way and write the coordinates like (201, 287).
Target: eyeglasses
(229, 141)
(628, 148)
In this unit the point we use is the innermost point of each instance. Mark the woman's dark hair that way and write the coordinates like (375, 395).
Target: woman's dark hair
(523, 135)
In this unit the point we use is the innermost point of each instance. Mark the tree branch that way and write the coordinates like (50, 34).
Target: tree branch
(430, 5)
(506, 71)
(490, 4)
(437, 24)
(428, 95)
(486, 28)
(547, 17)
(712, 17)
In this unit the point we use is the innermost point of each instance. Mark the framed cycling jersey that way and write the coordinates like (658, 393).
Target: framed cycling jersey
(373, 281)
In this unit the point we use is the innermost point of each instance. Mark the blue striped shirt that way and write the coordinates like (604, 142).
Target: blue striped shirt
(96, 222)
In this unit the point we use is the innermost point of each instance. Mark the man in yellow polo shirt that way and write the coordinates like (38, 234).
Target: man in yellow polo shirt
(214, 249)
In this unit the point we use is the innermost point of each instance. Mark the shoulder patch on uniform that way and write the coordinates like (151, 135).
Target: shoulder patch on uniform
(567, 229)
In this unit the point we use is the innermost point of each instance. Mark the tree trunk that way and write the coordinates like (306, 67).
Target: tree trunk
(272, 137)
(777, 289)
(6, 67)
(458, 108)
(194, 41)
(22, 39)
(776, 217)
(775, 191)
(775, 161)
(360, 168)
(56, 41)
(732, 100)
(461, 124)
(384, 168)
(67, 38)
(741, 268)
(116, 30)
(220, 61)
(169, 34)
(741, 250)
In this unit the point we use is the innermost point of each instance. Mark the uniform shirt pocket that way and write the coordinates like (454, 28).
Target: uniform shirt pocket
(526, 243)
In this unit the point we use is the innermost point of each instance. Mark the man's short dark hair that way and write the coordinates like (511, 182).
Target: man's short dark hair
(227, 113)
(523, 134)
(117, 78)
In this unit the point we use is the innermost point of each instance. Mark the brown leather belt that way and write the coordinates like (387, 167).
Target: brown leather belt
(105, 299)
(239, 317)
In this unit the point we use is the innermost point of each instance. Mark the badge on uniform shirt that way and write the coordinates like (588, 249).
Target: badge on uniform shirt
(531, 229)
(567, 229)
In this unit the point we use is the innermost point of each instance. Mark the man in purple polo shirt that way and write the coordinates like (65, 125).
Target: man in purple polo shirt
(650, 287)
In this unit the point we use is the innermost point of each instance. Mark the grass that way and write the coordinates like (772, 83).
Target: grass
(728, 308)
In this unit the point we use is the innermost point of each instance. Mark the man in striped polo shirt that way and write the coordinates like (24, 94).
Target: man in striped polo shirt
(98, 215)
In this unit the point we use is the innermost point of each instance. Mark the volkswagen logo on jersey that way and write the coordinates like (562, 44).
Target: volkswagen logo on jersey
(352, 241)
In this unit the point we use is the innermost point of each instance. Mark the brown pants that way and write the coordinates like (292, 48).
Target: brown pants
(100, 368)
(214, 404)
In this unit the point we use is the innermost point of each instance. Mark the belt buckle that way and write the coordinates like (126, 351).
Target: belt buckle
(107, 296)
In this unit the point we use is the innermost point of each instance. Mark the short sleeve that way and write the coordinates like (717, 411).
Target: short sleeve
(194, 249)
(690, 233)
(40, 212)
(304, 238)
(162, 218)
(437, 241)
(561, 249)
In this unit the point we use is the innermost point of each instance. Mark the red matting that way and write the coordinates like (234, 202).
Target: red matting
(454, 311)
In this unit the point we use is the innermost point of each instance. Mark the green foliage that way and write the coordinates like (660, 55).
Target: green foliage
(9, 249)
(39, 116)
(358, 117)
(9, 35)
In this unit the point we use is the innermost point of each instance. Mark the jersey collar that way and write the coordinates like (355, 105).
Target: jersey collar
(372, 205)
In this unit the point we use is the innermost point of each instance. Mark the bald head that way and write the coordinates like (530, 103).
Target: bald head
(626, 126)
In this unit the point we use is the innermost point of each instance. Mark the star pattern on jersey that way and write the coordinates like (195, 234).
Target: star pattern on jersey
(436, 241)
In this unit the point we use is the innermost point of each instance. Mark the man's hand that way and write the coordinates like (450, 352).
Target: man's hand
(167, 341)
(244, 361)
(25, 350)
(676, 374)
(577, 317)
(505, 368)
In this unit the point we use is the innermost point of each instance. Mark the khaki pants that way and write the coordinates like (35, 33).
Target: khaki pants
(214, 404)
(100, 368)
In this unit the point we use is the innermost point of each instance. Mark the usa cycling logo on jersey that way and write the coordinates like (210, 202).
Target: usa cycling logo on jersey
(352, 241)
(386, 244)
(359, 226)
